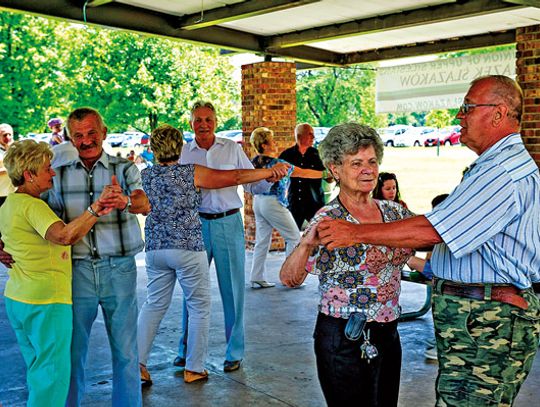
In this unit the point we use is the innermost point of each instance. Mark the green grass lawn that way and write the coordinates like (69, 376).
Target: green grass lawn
(422, 174)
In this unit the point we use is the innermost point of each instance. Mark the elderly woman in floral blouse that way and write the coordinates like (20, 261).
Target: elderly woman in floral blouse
(358, 281)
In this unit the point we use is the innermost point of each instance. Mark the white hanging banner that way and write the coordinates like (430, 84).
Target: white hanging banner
(440, 84)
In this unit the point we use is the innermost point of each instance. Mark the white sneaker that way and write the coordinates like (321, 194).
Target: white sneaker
(262, 284)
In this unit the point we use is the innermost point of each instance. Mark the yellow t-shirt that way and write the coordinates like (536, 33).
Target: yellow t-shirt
(41, 273)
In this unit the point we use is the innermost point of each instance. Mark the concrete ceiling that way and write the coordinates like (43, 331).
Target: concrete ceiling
(310, 32)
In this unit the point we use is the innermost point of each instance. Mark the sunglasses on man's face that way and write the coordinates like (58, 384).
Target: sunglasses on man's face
(465, 108)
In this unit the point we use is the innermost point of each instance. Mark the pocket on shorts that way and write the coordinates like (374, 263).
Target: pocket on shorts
(462, 391)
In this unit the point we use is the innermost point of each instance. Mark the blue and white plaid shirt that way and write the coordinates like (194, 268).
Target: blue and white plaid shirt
(76, 187)
(490, 223)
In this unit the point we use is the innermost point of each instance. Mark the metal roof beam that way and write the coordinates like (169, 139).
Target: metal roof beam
(434, 47)
(140, 20)
(403, 19)
(237, 11)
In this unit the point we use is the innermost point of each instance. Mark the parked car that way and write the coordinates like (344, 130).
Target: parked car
(452, 135)
(46, 137)
(431, 135)
(134, 139)
(402, 135)
(416, 136)
(234, 135)
(115, 139)
(188, 136)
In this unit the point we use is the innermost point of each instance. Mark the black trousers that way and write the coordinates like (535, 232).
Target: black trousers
(346, 378)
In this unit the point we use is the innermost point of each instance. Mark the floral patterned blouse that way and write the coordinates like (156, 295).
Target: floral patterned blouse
(360, 278)
(173, 222)
(280, 188)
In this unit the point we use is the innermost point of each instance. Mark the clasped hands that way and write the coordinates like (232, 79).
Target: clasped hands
(279, 170)
(112, 197)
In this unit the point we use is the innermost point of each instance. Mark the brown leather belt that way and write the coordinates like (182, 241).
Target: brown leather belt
(507, 294)
(218, 215)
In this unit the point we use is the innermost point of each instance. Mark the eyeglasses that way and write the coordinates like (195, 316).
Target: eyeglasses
(465, 108)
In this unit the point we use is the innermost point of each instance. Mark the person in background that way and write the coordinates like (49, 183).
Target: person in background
(148, 155)
(222, 226)
(306, 196)
(270, 207)
(140, 162)
(388, 188)
(360, 281)
(131, 155)
(486, 258)
(64, 152)
(6, 139)
(58, 131)
(174, 245)
(38, 291)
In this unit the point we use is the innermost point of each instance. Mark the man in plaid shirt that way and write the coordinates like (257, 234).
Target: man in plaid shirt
(104, 269)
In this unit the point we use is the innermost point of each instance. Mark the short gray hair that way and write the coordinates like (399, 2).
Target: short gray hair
(6, 128)
(347, 139)
(202, 103)
(299, 130)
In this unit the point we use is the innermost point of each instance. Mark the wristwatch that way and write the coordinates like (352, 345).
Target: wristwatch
(128, 206)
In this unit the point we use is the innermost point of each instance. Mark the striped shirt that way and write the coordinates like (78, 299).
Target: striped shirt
(76, 187)
(490, 223)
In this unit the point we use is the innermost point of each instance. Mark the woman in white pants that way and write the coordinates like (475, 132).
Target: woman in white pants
(174, 244)
(270, 208)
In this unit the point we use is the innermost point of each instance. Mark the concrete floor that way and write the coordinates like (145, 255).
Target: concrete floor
(279, 368)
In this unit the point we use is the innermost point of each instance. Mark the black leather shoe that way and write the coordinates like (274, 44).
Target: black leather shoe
(179, 361)
(231, 365)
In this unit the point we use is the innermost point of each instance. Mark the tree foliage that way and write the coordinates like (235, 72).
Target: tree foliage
(50, 67)
(326, 97)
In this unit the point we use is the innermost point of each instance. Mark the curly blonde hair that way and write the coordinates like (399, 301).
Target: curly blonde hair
(25, 155)
(166, 142)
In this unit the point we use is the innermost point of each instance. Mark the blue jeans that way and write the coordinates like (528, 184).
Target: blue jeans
(224, 242)
(164, 267)
(112, 284)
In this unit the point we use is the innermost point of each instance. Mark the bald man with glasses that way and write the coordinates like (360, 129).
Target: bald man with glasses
(486, 255)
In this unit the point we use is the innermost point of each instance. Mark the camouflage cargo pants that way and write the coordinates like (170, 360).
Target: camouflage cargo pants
(486, 349)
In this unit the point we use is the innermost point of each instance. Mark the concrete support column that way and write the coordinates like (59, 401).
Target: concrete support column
(269, 100)
(528, 76)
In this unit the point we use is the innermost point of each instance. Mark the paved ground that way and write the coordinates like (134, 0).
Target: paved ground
(279, 369)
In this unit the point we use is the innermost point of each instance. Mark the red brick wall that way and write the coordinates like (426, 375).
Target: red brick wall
(528, 76)
(269, 100)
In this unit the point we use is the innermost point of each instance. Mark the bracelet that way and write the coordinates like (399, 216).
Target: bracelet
(92, 212)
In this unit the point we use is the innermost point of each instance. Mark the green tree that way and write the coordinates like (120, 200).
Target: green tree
(438, 118)
(50, 67)
(326, 97)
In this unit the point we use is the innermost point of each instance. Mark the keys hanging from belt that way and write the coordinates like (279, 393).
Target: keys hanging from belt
(369, 351)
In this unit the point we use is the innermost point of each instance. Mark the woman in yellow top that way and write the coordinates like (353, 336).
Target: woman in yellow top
(38, 291)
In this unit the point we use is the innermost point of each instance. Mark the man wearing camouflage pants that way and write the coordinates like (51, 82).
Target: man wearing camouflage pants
(486, 255)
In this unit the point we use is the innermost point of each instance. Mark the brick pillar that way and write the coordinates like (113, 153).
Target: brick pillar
(269, 100)
(528, 76)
